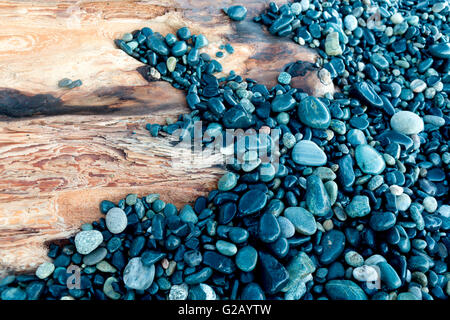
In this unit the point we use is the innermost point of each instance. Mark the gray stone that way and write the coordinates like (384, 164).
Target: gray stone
(116, 220)
(137, 276)
(88, 241)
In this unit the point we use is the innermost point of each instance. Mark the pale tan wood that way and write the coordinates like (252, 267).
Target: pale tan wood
(80, 146)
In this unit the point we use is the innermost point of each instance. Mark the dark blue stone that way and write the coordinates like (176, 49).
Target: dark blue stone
(333, 243)
(273, 275)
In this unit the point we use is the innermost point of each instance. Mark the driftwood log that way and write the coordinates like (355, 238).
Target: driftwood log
(63, 151)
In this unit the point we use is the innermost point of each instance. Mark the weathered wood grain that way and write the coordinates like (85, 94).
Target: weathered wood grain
(63, 151)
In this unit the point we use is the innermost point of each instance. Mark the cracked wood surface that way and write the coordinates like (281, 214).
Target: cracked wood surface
(63, 151)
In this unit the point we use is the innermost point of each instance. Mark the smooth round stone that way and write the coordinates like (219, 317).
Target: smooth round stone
(246, 258)
(403, 202)
(358, 207)
(434, 120)
(389, 276)
(350, 22)
(116, 220)
(308, 153)
(238, 235)
(354, 259)
(187, 215)
(88, 241)
(312, 112)
(382, 221)
(179, 292)
(13, 294)
(440, 50)
(356, 137)
(283, 102)
(179, 48)
(268, 228)
(131, 199)
(251, 202)
(430, 204)
(369, 160)
(333, 243)
(171, 64)
(137, 276)
(252, 291)
(95, 256)
(397, 18)
(418, 85)
(286, 226)
(344, 290)
(45, 270)
(407, 122)
(226, 248)
(418, 263)
(227, 182)
(332, 190)
(365, 273)
(302, 220)
(374, 260)
(236, 13)
(184, 33)
(317, 199)
(104, 266)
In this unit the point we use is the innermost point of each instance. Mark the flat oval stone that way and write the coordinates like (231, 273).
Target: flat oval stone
(283, 102)
(303, 220)
(227, 212)
(137, 276)
(344, 290)
(45, 270)
(382, 221)
(251, 202)
(369, 160)
(407, 122)
(226, 248)
(308, 153)
(88, 241)
(333, 243)
(238, 235)
(317, 199)
(219, 262)
(273, 274)
(199, 277)
(367, 94)
(268, 228)
(236, 118)
(346, 173)
(116, 220)
(246, 258)
(389, 276)
(356, 137)
(95, 256)
(440, 50)
(312, 112)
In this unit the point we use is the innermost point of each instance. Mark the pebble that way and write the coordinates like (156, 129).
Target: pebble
(344, 290)
(353, 259)
(251, 202)
(350, 22)
(274, 276)
(137, 276)
(358, 207)
(179, 292)
(116, 220)
(430, 204)
(369, 160)
(407, 122)
(247, 258)
(365, 273)
(45, 270)
(302, 220)
(313, 113)
(332, 45)
(236, 13)
(333, 243)
(308, 153)
(317, 199)
(88, 241)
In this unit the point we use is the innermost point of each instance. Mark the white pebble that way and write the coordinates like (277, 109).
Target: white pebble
(430, 204)
(365, 273)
